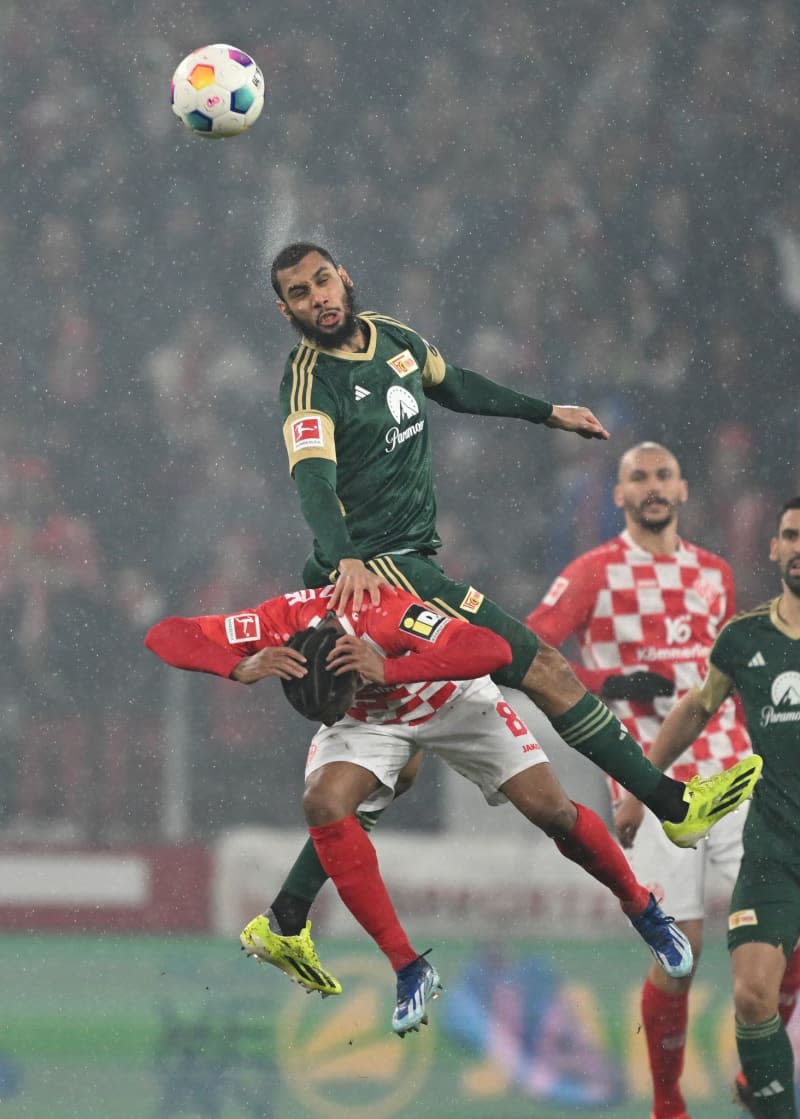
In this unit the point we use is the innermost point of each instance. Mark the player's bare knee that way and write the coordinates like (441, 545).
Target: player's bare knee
(753, 1001)
(537, 794)
(328, 795)
(551, 682)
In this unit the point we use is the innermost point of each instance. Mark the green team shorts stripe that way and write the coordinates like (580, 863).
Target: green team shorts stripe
(765, 904)
(421, 576)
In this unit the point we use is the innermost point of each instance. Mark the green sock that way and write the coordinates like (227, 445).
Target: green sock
(304, 881)
(768, 1063)
(594, 731)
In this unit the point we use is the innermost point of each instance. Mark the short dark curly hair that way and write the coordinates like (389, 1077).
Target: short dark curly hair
(291, 255)
(792, 503)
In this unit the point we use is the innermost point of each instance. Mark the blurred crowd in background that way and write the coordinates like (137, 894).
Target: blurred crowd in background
(594, 203)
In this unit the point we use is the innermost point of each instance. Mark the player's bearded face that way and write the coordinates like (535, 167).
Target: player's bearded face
(785, 550)
(340, 332)
(655, 512)
(790, 573)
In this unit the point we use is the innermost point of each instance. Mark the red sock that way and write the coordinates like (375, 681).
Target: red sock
(665, 1018)
(590, 845)
(350, 861)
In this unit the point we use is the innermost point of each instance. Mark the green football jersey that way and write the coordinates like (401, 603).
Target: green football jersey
(366, 412)
(757, 655)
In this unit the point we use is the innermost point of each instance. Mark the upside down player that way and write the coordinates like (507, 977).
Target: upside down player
(757, 655)
(645, 608)
(354, 398)
(456, 712)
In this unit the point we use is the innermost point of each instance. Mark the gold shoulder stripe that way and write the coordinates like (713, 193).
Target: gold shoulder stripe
(445, 608)
(375, 316)
(757, 611)
(302, 378)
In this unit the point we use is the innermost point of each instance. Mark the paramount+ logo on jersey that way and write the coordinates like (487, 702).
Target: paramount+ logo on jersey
(785, 695)
(423, 622)
(403, 407)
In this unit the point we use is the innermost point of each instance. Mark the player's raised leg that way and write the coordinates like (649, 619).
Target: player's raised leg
(688, 812)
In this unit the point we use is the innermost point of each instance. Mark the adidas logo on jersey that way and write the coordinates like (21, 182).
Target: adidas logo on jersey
(361, 393)
(756, 661)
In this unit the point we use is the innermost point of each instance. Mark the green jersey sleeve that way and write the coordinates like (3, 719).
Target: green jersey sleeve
(309, 410)
(316, 487)
(463, 390)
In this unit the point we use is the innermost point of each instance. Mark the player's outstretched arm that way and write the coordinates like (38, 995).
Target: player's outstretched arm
(581, 421)
(683, 724)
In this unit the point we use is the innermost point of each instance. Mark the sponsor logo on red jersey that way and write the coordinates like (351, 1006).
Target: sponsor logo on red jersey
(423, 622)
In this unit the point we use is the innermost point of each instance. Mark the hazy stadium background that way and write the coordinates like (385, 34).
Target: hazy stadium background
(592, 202)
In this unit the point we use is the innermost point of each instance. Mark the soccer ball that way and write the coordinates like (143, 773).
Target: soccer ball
(217, 91)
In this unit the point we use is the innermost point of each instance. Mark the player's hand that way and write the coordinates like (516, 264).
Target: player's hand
(351, 653)
(571, 417)
(273, 661)
(356, 587)
(641, 686)
(628, 817)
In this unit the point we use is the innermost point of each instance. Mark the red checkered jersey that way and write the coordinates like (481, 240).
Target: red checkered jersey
(631, 610)
(431, 658)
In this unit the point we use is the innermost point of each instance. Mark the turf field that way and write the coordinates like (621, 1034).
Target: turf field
(151, 1028)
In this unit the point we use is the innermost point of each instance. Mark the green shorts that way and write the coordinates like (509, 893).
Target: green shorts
(765, 904)
(421, 576)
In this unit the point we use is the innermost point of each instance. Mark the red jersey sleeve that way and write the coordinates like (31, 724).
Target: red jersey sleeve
(566, 610)
(567, 607)
(215, 643)
(422, 644)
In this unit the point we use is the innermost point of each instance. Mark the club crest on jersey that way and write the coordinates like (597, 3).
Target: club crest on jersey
(423, 622)
(403, 363)
(242, 627)
(307, 432)
(742, 917)
(472, 601)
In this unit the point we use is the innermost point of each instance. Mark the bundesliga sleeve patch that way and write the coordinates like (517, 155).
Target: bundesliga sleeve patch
(556, 591)
(306, 432)
(242, 627)
(423, 622)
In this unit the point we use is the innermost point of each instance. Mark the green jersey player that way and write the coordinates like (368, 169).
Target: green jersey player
(354, 397)
(757, 655)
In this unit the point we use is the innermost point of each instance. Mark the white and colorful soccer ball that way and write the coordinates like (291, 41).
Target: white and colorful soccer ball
(217, 91)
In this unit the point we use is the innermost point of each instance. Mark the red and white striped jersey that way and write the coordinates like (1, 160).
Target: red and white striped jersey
(419, 644)
(633, 611)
